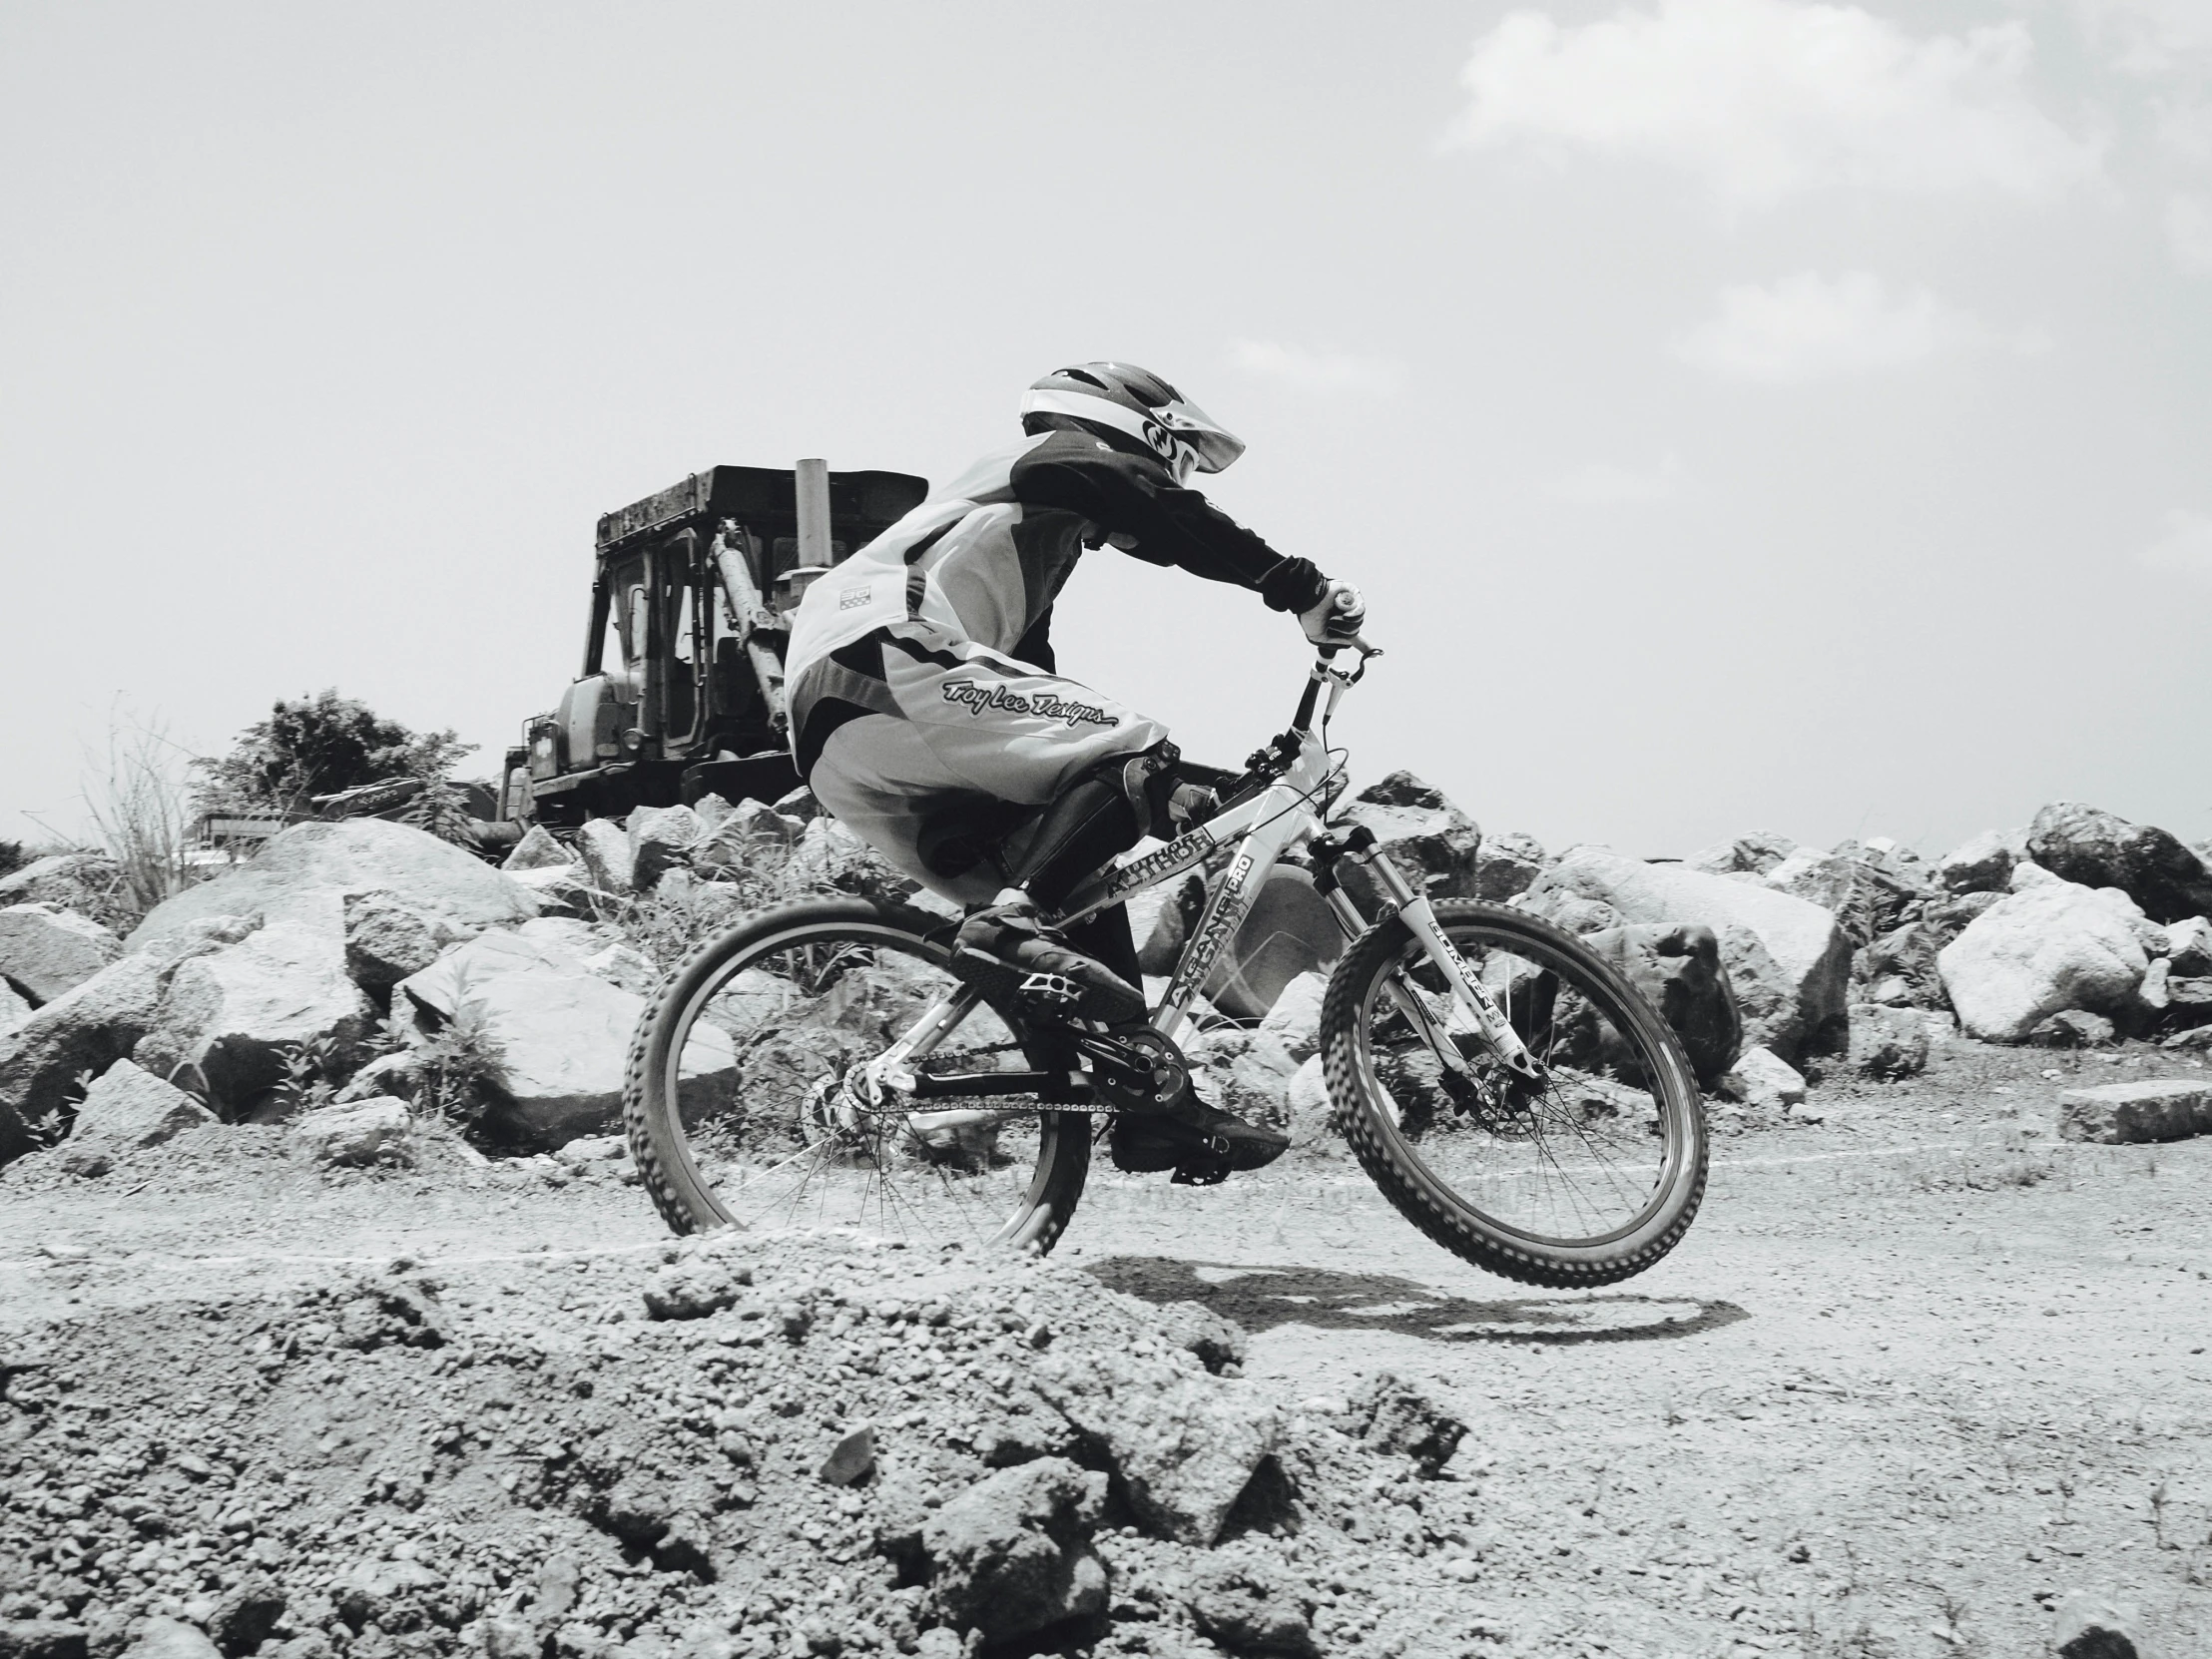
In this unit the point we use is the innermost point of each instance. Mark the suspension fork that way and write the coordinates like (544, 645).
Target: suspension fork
(1413, 907)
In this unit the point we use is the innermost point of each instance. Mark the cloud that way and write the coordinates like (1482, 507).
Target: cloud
(2189, 233)
(1603, 482)
(2184, 549)
(1764, 99)
(1304, 371)
(2150, 37)
(2185, 129)
(1813, 328)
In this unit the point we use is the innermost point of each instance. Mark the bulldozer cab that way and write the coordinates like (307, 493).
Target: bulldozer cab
(681, 692)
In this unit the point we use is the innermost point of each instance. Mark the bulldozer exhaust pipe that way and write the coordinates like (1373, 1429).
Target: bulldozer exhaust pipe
(813, 485)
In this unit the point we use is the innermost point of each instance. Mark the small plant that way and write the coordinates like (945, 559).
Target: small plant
(49, 1128)
(313, 1071)
(461, 1069)
(13, 858)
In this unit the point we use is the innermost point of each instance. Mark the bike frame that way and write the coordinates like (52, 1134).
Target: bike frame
(1261, 828)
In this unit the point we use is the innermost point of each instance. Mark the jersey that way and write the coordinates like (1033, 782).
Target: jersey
(985, 557)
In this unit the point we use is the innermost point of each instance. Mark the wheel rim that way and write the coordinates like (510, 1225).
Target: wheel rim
(1584, 1162)
(757, 1062)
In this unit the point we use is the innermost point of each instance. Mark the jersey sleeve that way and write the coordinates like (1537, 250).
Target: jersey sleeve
(1138, 497)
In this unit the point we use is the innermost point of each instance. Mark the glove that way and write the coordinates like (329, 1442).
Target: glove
(1337, 618)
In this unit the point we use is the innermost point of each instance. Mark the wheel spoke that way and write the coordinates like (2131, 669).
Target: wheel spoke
(1551, 1176)
(766, 1051)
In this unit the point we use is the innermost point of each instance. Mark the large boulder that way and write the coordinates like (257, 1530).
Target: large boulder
(2148, 1109)
(1435, 844)
(661, 839)
(2167, 878)
(2189, 943)
(232, 1016)
(87, 1028)
(1983, 862)
(1791, 989)
(748, 840)
(375, 1131)
(1012, 1555)
(1752, 855)
(556, 1033)
(86, 883)
(1898, 968)
(1509, 864)
(386, 938)
(45, 949)
(128, 1107)
(1184, 1444)
(1867, 894)
(1294, 1019)
(1678, 972)
(1886, 1042)
(302, 871)
(2050, 946)
(1764, 1082)
(536, 851)
(604, 849)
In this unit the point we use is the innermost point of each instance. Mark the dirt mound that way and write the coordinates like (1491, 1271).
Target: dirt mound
(758, 1445)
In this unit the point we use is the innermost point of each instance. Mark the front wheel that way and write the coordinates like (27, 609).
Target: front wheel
(1586, 1178)
(742, 1109)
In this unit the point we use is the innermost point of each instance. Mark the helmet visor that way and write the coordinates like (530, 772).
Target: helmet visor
(1214, 444)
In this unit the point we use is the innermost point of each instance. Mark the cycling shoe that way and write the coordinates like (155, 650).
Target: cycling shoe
(1007, 952)
(1200, 1144)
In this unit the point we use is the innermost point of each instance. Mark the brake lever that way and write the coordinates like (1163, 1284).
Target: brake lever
(1324, 666)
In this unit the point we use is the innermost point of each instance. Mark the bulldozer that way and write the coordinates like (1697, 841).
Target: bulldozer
(680, 692)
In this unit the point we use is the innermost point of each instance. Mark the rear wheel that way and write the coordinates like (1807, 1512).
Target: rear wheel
(745, 1104)
(1586, 1178)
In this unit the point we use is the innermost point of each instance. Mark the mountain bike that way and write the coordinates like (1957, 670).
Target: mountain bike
(1507, 1089)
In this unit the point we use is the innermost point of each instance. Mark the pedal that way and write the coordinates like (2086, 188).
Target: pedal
(1051, 996)
(1209, 1169)
(1050, 993)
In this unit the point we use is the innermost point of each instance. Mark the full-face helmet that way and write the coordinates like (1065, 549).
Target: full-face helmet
(1137, 403)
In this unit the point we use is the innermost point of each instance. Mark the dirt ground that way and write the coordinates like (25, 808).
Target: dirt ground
(1918, 1371)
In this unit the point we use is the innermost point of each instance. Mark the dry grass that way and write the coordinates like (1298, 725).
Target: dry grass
(138, 801)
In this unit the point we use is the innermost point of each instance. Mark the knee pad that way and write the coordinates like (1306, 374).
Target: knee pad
(1165, 804)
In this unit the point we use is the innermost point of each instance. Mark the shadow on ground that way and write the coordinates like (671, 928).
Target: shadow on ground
(1260, 1299)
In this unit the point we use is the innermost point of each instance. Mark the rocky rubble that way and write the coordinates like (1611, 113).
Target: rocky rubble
(787, 1444)
(330, 965)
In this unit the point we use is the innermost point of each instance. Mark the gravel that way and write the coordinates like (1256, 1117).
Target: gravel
(780, 1445)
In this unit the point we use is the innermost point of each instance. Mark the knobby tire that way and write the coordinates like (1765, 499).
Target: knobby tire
(1364, 1112)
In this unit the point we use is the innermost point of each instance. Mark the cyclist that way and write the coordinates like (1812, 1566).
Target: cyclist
(928, 715)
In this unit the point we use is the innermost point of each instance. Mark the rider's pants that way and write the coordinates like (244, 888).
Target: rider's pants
(913, 725)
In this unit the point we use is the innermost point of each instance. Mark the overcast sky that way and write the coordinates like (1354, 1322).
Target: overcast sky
(1738, 412)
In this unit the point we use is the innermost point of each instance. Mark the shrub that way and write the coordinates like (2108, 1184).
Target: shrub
(13, 858)
(318, 745)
